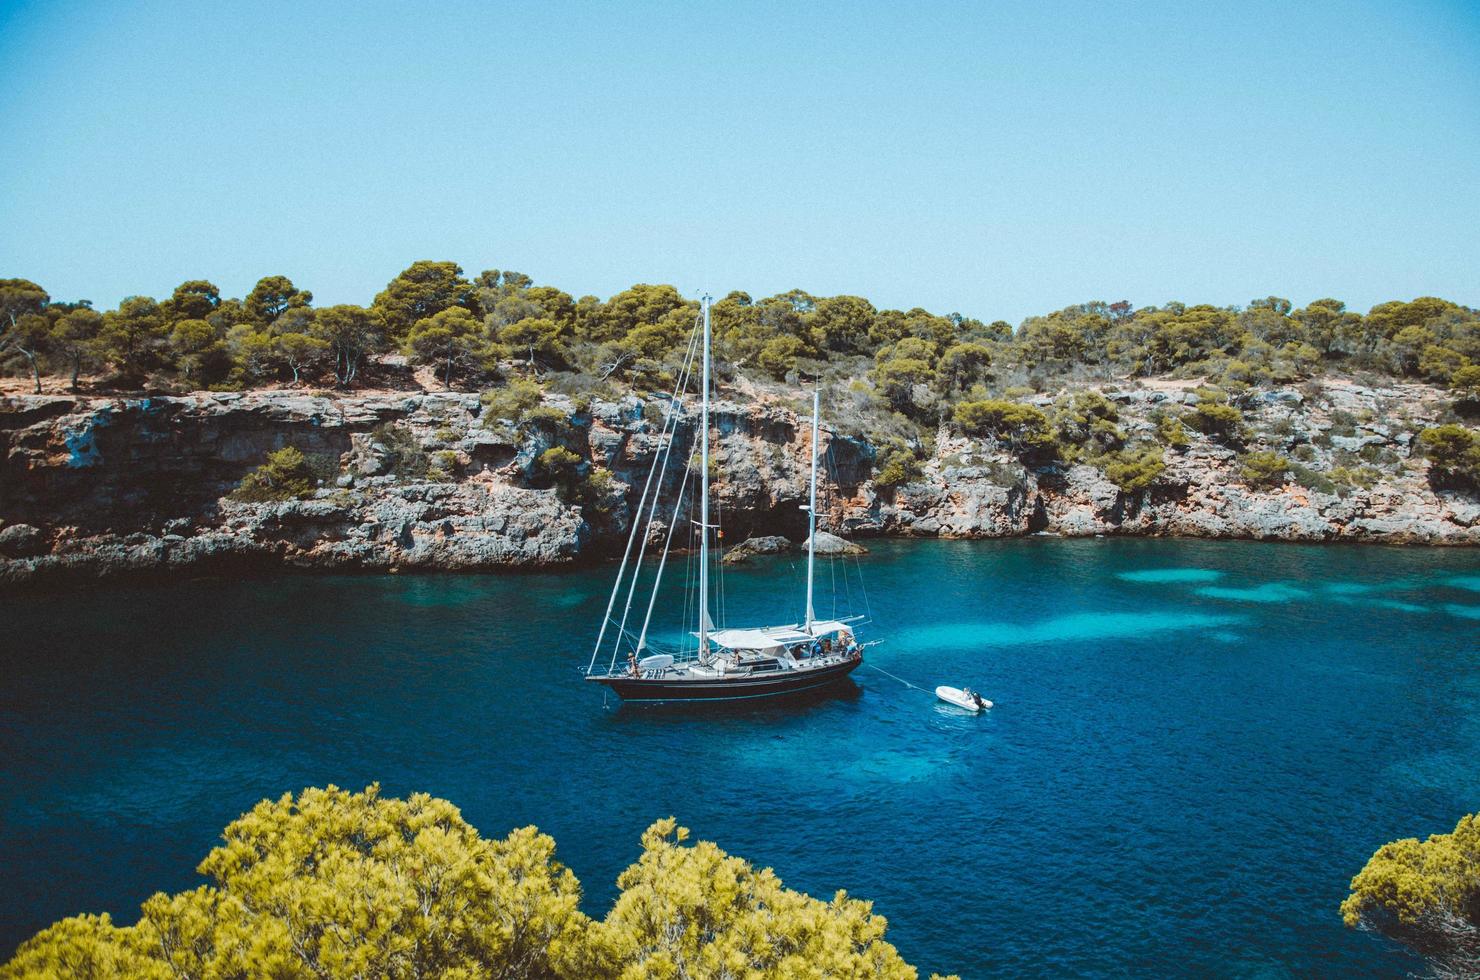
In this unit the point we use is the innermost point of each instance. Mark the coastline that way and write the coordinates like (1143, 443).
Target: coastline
(94, 488)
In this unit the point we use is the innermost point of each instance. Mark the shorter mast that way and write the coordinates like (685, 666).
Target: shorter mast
(812, 512)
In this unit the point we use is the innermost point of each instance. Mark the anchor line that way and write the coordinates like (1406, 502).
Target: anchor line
(896, 677)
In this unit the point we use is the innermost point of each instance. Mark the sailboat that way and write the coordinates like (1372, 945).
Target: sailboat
(724, 663)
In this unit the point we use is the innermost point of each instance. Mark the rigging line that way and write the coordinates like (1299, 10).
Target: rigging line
(832, 574)
(835, 500)
(658, 578)
(718, 568)
(667, 450)
(863, 587)
(670, 429)
(611, 601)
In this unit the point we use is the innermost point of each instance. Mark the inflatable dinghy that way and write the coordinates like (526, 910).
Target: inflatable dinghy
(967, 699)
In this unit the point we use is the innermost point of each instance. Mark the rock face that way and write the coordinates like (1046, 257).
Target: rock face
(769, 544)
(93, 487)
(824, 543)
(21, 541)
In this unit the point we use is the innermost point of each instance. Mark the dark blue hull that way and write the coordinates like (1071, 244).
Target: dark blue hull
(727, 688)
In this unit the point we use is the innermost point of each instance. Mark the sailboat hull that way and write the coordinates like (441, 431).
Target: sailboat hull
(726, 688)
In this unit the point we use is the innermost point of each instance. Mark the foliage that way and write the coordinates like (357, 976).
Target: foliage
(404, 457)
(1264, 469)
(345, 884)
(286, 475)
(340, 884)
(962, 366)
(443, 465)
(1023, 427)
(1454, 452)
(1169, 430)
(540, 339)
(1213, 416)
(450, 340)
(921, 361)
(895, 465)
(1085, 424)
(562, 469)
(695, 911)
(1465, 383)
(422, 290)
(353, 333)
(1425, 894)
(1134, 469)
(509, 405)
(778, 356)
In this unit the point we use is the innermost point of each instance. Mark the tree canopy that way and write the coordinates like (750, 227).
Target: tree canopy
(338, 884)
(921, 361)
(1425, 894)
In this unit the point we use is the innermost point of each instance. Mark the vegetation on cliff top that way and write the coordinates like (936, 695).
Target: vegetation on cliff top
(1425, 894)
(894, 376)
(338, 884)
(470, 330)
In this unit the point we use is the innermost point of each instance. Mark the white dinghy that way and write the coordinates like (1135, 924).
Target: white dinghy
(967, 699)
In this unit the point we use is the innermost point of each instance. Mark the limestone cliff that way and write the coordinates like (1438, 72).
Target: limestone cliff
(99, 486)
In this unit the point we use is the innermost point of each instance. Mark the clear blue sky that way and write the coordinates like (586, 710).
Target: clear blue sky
(996, 159)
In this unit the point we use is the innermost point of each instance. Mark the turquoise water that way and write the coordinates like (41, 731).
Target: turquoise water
(1196, 744)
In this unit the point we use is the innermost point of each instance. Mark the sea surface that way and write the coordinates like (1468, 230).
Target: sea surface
(1195, 744)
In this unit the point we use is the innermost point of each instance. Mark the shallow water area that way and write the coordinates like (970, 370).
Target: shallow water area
(1194, 745)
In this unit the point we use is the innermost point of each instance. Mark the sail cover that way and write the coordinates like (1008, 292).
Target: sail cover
(755, 639)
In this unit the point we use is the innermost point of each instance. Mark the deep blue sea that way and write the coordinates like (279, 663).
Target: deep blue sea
(1195, 744)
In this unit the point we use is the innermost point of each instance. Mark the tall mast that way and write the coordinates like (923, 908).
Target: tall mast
(812, 511)
(704, 494)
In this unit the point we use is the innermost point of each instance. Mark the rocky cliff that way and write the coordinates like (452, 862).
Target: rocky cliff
(99, 486)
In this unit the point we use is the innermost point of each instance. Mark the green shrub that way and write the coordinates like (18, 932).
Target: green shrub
(1425, 894)
(1023, 427)
(1086, 422)
(1343, 423)
(1465, 383)
(1264, 469)
(1214, 417)
(562, 469)
(508, 405)
(1170, 430)
(895, 465)
(1454, 452)
(778, 356)
(444, 465)
(405, 459)
(285, 475)
(338, 884)
(545, 417)
(1314, 480)
(1133, 469)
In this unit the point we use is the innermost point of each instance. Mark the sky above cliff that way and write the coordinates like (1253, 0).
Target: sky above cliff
(996, 159)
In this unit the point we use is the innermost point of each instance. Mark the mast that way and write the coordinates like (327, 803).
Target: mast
(704, 494)
(812, 511)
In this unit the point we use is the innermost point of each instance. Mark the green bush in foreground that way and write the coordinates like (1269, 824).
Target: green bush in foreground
(339, 884)
(285, 476)
(1425, 894)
